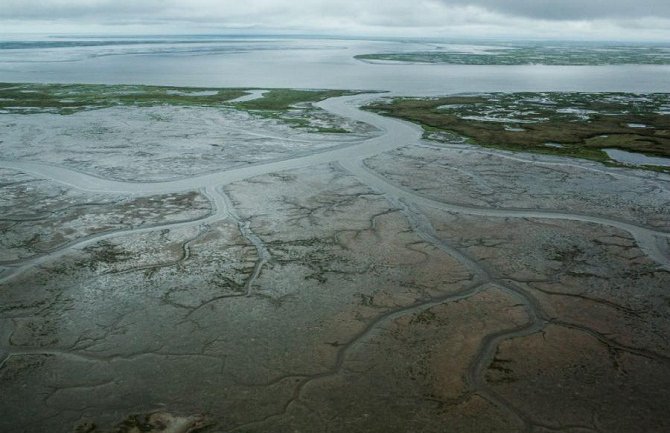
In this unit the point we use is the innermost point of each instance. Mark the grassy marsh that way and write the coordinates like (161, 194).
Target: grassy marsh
(295, 108)
(285, 99)
(71, 98)
(290, 106)
(563, 54)
(567, 124)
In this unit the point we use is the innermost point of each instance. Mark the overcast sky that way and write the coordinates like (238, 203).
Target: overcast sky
(555, 19)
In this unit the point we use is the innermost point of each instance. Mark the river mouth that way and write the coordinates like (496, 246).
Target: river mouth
(637, 159)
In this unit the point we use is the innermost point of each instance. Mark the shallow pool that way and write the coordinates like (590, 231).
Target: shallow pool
(636, 158)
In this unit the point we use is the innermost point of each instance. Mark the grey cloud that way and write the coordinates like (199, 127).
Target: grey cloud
(351, 9)
(74, 9)
(572, 9)
(634, 19)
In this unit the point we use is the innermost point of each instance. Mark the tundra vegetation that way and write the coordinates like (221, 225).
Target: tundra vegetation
(566, 124)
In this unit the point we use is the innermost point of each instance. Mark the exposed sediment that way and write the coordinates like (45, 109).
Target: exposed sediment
(333, 289)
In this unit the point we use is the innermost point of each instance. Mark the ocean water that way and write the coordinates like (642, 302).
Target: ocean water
(296, 62)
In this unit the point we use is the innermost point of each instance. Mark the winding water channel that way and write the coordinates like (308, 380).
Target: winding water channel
(351, 156)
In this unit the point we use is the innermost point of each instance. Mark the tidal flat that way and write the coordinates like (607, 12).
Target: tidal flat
(278, 260)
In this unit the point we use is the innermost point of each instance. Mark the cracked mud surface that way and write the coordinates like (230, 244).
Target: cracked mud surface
(472, 176)
(377, 283)
(153, 143)
(39, 217)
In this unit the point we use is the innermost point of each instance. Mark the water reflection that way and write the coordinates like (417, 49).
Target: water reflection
(633, 158)
(306, 63)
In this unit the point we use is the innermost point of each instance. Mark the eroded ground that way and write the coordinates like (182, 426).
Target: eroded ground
(358, 282)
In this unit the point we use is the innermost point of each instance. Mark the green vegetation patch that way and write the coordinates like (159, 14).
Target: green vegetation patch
(72, 98)
(284, 99)
(295, 107)
(567, 124)
(558, 54)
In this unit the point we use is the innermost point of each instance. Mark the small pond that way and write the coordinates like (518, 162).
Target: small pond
(636, 158)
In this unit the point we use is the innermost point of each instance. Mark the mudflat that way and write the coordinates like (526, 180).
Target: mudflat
(255, 260)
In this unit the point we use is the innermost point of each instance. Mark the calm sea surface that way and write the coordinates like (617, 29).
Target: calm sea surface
(297, 63)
